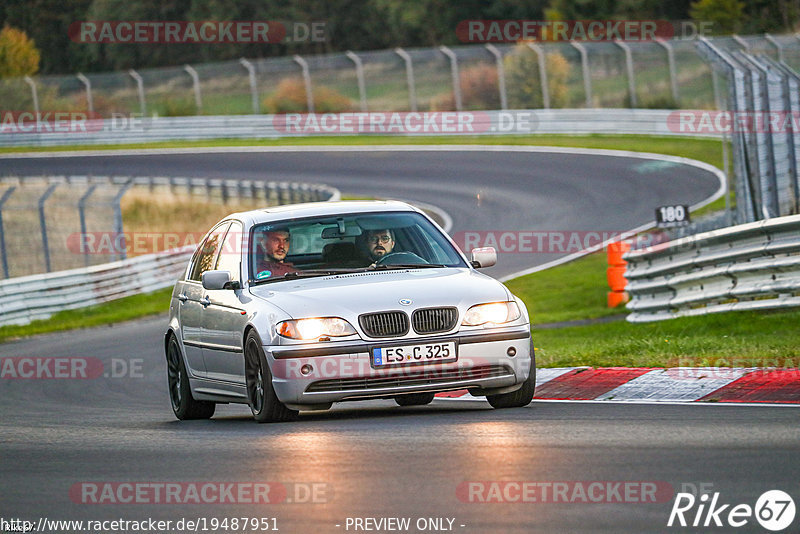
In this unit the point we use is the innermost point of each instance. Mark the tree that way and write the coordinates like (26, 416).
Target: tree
(726, 15)
(18, 54)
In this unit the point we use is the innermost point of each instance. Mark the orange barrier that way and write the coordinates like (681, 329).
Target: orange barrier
(615, 274)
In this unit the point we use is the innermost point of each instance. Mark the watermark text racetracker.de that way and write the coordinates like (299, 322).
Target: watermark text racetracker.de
(549, 241)
(66, 122)
(196, 32)
(511, 31)
(199, 492)
(730, 122)
(68, 368)
(416, 123)
(570, 491)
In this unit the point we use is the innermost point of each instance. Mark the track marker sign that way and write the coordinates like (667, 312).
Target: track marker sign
(671, 216)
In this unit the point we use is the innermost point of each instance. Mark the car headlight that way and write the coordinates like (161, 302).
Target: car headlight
(494, 313)
(315, 327)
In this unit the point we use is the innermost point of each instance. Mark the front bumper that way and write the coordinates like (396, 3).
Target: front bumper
(343, 371)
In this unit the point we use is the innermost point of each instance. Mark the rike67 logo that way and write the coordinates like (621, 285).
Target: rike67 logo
(774, 510)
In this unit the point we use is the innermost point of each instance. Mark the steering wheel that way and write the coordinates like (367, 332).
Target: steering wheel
(401, 258)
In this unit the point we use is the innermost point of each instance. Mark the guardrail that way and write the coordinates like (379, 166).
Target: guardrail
(553, 121)
(28, 298)
(747, 267)
(39, 216)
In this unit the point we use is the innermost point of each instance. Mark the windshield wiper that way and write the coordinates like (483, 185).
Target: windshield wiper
(309, 273)
(409, 266)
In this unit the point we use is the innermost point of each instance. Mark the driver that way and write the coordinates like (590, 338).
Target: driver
(378, 243)
(274, 246)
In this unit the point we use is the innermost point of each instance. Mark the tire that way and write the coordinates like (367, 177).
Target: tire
(180, 394)
(415, 399)
(521, 397)
(261, 395)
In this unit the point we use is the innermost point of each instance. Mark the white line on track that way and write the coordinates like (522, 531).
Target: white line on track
(649, 402)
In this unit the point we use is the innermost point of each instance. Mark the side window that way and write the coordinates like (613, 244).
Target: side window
(230, 255)
(204, 260)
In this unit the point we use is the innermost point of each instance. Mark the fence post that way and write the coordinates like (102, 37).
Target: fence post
(453, 74)
(43, 225)
(7, 193)
(792, 81)
(34, 94)
(362, 88)
(741, 42)
(198, 97)
(307, 81)
(412, 92)
(776, 44)
(88, 84)
(725, 163)
(673, 74)
(542, 74)
(745, 169)
(587, 77)
(629, 66)
(82, 215)
(501, 74)
(140, 88)
(251, 73)
(765, 151)
(115, 205)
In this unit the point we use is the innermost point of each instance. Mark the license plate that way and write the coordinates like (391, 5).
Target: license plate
(441, 352)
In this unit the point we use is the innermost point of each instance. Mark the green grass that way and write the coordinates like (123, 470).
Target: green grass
(575, 290)
(707, 150)
(115, 311)
(735, 339)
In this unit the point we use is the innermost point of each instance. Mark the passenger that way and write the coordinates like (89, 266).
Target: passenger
(274, 246)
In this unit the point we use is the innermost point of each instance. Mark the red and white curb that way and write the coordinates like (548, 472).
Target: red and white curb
(678, 384)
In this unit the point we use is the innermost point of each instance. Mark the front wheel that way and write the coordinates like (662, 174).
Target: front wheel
(521, 397)
(264, 402)
(180, 394)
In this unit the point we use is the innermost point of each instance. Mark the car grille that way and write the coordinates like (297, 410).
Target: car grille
(384, 324)
(434, 320)
(410, 378)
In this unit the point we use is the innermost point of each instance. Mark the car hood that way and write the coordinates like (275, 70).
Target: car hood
(350, 295)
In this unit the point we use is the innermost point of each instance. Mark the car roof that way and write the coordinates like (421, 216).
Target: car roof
(320, 209)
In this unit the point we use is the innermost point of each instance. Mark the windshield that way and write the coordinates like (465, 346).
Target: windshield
(345, 243)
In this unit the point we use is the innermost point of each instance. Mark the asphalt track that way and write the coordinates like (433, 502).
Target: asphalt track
(376, 459)
(493, 192)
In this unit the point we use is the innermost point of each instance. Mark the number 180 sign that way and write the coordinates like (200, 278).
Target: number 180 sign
(669, 216)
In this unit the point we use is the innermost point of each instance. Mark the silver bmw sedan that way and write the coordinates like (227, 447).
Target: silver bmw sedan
(297, 307)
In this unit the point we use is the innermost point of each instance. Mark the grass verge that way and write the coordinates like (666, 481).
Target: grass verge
(108, 313)
(735, 339)
(577, 290)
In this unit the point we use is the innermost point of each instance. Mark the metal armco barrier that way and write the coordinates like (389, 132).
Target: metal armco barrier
(56, 208)
(28, 298)
(752, 266)
(497, 122)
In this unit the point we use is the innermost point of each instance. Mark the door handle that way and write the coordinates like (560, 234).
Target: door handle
(204, 301)
(182, 297)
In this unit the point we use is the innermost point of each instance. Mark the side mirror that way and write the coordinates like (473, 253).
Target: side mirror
(218, 280)
(484, 257)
